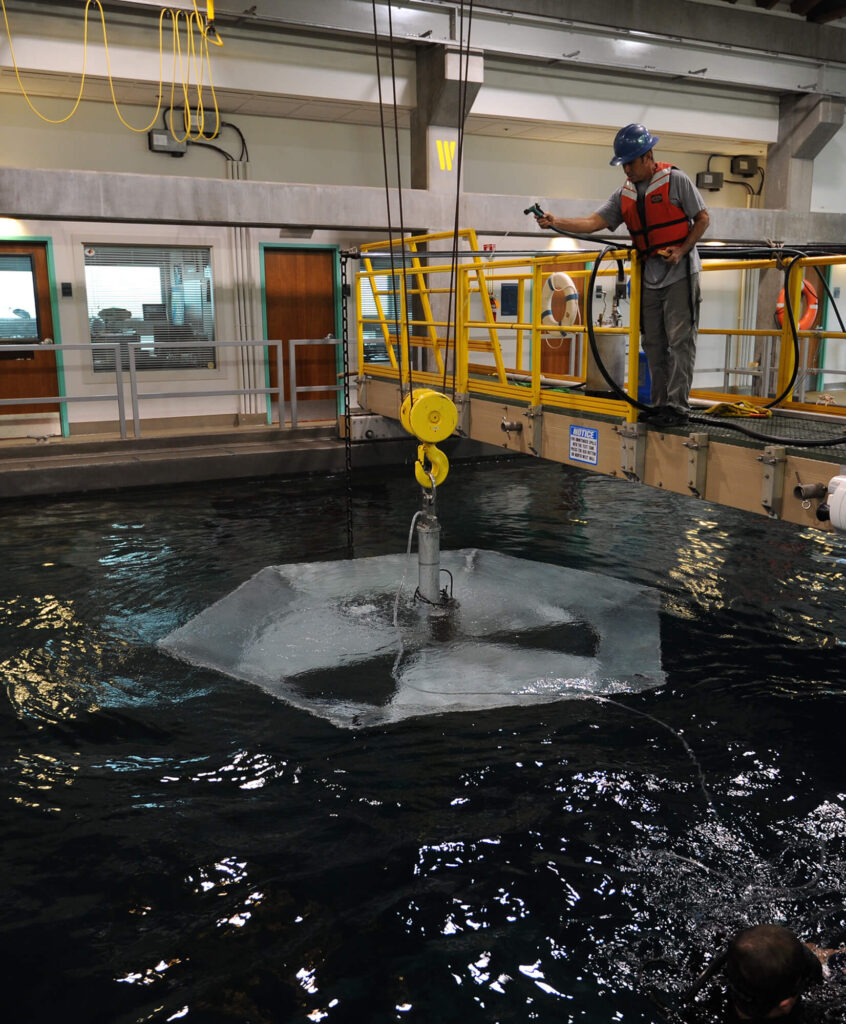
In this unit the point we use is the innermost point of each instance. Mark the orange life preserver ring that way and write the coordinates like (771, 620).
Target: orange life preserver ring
(810, 302)
(560, 286)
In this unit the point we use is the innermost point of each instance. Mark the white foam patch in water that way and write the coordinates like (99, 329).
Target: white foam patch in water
(321, 636)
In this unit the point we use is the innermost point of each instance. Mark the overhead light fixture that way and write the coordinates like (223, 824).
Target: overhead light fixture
(11, 228)
(562, 244)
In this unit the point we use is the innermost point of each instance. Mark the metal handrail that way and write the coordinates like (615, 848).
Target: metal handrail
(423, 341)
(65, 399)
(295, 390)
(135, 395)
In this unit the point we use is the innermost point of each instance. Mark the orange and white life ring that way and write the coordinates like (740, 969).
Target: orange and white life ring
(810, 305)
(560, 301)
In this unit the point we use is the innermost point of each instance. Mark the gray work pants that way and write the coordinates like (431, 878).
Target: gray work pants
(669, 318)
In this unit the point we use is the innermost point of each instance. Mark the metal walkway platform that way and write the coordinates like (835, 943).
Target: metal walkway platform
(705, 459)
(780, 428)
(533, 365)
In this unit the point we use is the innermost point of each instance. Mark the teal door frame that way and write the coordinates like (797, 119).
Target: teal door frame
(336, 287)
(47, 241)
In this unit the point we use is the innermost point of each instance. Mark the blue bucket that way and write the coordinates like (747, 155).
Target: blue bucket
(644, 380)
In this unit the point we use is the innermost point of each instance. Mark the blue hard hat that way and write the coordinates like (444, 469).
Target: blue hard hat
(631, 142)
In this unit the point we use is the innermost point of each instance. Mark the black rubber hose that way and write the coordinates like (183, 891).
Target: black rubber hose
(791, 442)
(770, 439)
(615, 387)
(788, 309)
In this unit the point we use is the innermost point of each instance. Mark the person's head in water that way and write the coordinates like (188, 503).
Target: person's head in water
(767, 969)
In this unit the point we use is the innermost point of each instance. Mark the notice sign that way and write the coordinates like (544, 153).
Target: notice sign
(584, 444)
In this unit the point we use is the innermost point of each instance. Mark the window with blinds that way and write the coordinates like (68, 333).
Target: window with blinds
(158, 299)
(387, 287)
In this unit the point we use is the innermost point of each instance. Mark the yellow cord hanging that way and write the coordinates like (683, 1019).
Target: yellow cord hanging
(195, 24)
(193, 115)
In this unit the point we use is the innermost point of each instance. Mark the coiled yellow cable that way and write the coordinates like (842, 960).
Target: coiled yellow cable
(198, 58)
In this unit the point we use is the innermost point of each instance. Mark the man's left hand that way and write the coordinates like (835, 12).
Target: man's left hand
(672, 254)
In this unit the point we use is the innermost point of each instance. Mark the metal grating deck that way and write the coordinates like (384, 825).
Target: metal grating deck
(780, 429)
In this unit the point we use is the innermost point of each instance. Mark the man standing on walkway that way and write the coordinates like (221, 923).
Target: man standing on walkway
(666, 217)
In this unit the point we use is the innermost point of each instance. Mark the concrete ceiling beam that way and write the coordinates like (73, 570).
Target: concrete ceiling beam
(808, 123)
(89, 196)
(740, 47)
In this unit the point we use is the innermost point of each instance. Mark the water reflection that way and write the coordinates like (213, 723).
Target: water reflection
(149, 976)
(38, 775)
(220, 857)
(58, 678)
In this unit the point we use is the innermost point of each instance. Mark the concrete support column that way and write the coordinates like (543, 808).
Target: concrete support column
(448, 81)
(806, 124)
(447, 84)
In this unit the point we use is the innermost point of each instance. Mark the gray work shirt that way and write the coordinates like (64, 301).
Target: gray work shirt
(683, 193)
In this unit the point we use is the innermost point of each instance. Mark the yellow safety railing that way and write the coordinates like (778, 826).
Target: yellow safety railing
(431, 320)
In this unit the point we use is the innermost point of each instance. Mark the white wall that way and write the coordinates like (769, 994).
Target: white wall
(719, 311)
(280, 149)
(828, 194)
(567, 170)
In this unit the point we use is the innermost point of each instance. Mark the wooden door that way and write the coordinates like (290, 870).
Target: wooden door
(26, 318)
(300, 303)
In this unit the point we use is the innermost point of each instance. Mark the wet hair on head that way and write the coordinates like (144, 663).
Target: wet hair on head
(765, 965)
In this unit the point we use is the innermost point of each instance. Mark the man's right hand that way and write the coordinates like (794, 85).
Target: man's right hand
(546, 220)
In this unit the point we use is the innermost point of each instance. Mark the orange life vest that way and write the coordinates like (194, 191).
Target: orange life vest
(653, 221)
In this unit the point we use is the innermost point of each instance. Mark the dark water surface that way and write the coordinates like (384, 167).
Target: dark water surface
(177, 845)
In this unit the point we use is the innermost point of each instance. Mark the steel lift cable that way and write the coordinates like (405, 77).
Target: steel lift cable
(464, 70)
(345, 367)
(392, 252)
(404, 279)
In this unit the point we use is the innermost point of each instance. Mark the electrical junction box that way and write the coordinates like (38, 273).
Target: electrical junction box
(508, 299)
(710, 180)
(745, 166)
(159, 140)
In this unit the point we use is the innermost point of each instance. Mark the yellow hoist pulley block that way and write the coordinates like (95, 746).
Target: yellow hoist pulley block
(438, 466)
(429, 415)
